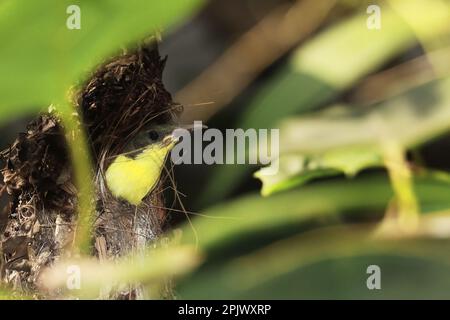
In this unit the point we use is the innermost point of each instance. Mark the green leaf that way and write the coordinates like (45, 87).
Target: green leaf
(8, 294)
(329, 263)
(231, 222)
(41, 58)
(316, 73)
(151, 266)
(350, 141)
(295, 170)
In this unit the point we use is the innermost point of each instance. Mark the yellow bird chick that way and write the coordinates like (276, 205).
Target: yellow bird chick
(133, 177)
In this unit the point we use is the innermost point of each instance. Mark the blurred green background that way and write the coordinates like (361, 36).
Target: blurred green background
(364, 117)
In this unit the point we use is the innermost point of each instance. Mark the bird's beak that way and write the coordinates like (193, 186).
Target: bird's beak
(174, 137)
(170, 140)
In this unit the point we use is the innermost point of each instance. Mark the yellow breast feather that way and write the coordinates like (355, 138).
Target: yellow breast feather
(132, 179)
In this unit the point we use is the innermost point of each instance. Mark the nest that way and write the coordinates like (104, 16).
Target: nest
(130, 86)
(124, 95)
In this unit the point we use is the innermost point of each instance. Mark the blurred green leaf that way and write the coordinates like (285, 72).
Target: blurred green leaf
(329, 264)
(426, 26)
(231, 222)
(317, 72)
(152, 266)
(352, 140)
(6, 294)
(41, 58)
(295, 170)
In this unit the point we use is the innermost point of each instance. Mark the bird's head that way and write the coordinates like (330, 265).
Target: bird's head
(135, 173)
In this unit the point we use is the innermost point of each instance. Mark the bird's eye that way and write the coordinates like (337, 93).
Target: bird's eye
(153, 135)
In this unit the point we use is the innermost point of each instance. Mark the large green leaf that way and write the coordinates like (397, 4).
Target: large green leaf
(294, 170)
(349, 140)
(41, 58)
(234, 222)
(329, 264)
(6, 294)
(319, 70)
(153, 266)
